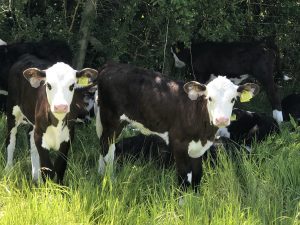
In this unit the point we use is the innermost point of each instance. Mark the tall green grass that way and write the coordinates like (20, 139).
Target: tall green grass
(261, 189)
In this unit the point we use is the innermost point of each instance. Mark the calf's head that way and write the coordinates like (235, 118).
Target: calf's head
(220, 95)
(60, 80)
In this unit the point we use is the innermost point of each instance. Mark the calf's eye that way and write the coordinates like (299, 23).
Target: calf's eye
(232, 100)
(209, 99)
(71, 87)
(49, 86)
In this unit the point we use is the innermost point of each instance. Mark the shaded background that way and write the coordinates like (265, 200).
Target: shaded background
(141, 31)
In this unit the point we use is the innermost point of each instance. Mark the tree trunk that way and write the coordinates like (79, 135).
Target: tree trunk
(87, 20)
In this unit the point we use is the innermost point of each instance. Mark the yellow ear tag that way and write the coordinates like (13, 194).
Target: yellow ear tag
(177, 50)
(83, 81)
(233, 117)
(246, 96)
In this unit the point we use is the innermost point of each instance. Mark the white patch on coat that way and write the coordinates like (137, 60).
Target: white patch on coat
(107, 161)
(277, 115)
(99, 127)
(223, 132)
(286, 78)
(196, 149)
(178, 62)
(3, 92)
(2, 42)
(238, 80)
(221, 92)
(54, 136)
(211, 77)
(248, 148)
(189, 177)
(144, 130)
(17, 113)
(35, 159)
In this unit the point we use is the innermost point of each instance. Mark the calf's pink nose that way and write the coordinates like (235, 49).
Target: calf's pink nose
(222, 121)
(61, 108)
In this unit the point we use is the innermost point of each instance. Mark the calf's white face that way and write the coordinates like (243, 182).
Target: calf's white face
(220, 95)
(60, 80)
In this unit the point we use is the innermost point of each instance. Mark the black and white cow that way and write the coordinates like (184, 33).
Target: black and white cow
(52, 51)
(247, 127)
(42, 98)
(291, 106)
(186, 115)
(235, 60)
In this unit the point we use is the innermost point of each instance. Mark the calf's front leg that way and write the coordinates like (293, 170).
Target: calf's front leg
(60, 163)
(47, 169)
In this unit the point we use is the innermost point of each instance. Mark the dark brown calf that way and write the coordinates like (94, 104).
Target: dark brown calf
(43, 101)
(186, 116)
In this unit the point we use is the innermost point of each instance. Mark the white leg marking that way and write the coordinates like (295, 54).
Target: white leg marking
(99, 127)
(181, 201)
(189, 177)
(110, 156)
(107, 162)
(11, 148)
(101, 167)
(277, 115)
(35, 159)
(12, 139)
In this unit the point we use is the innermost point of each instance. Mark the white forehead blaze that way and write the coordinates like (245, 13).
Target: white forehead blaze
(59, 78)
(221, 94)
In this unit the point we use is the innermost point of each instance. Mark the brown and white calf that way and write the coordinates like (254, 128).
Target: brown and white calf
(42, 98)
(186, 115)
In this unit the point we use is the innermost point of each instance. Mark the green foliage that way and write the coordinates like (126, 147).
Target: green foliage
(141, 32)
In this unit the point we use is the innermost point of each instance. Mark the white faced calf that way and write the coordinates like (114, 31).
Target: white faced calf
(45, 103)
(187, 116)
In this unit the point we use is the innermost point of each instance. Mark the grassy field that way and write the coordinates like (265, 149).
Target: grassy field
(261, 189)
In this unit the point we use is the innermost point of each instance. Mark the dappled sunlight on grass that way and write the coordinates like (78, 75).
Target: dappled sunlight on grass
(262, 188)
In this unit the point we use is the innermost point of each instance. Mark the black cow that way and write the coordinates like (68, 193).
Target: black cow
(236, 60)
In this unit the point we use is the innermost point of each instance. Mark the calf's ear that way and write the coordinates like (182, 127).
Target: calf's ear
(86, 77)
(247, 91)
(35, 76)
(194, 89)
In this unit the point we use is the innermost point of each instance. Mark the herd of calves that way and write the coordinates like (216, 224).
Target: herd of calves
(178, 121)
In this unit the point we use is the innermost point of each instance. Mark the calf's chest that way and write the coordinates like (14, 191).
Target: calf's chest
(54, 136)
